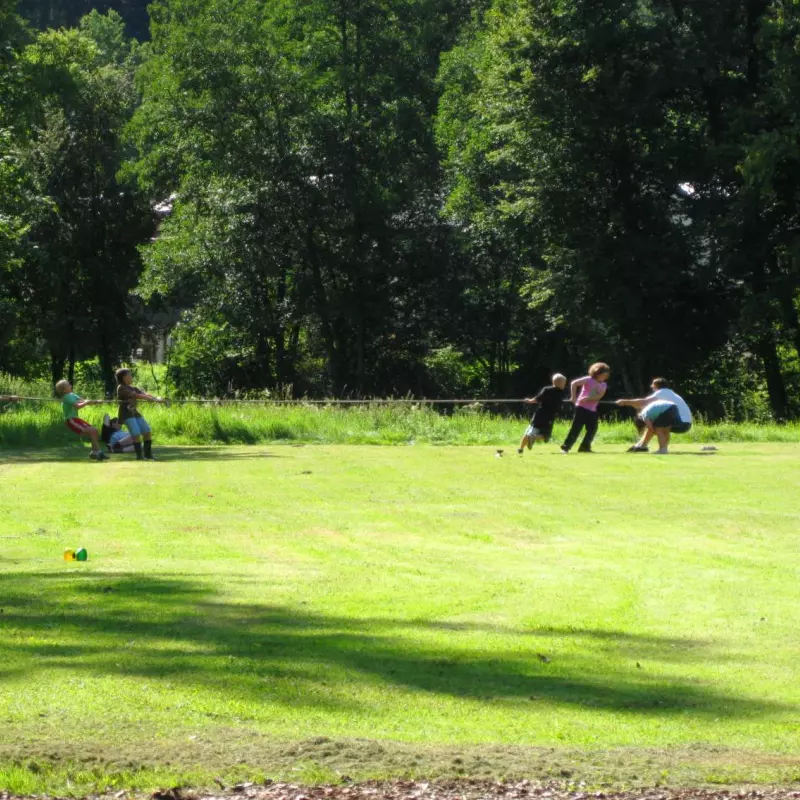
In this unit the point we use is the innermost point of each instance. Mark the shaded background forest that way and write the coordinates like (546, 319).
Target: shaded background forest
(441, 197)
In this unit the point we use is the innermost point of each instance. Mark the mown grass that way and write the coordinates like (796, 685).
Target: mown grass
(320, 611)
(41, 425)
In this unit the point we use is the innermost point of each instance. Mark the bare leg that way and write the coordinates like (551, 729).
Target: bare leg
(91, 435)
(663, 440)
(646, 438)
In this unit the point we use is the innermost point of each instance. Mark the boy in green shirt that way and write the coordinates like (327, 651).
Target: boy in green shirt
(71, 403)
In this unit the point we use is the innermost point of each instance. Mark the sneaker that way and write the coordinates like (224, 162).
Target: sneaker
(520, 451)
(564, 449)
(98, 455)
(636, 449)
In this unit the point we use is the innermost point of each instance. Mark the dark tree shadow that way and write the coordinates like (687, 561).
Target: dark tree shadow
(179, 628)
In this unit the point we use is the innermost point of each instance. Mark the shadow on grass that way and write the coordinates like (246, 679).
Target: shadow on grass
(179, 629)
(162, 453)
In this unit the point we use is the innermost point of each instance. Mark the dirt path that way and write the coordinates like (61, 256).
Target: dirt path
(451, 790)
(478, 790)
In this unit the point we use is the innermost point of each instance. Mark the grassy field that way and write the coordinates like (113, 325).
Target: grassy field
(309, 612)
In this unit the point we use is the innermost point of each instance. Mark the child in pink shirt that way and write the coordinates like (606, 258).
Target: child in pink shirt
(593, 388)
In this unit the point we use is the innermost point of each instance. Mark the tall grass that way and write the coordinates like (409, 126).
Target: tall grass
(41, 425)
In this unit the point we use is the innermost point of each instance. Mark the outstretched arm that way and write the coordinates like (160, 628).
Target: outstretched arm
(149, 398)
(81, 403)
(637, 402)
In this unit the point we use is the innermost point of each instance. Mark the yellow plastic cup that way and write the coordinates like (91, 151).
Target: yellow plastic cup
(69, 554)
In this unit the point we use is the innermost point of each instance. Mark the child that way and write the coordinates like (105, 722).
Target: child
(593, 388)
(114, 438)
(8, 398)
(70, 404)
(129, 416)
(549, 400)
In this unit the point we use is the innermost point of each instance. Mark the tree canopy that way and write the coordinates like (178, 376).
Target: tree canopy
(391, 196)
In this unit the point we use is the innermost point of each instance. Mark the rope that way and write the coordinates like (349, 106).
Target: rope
(331, 402)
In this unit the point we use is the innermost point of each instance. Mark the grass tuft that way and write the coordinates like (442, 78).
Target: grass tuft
(41, 425)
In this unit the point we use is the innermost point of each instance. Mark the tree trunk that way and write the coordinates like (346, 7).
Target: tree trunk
(790, 319)
(360, 356)
(263, 371)
(775, 384)
(57, 362)
(323, 307)
(71, 373)
(107, 367)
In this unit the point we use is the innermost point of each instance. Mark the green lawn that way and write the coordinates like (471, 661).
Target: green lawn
(310, 611)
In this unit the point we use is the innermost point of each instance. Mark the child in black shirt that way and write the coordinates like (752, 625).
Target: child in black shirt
(549, 400)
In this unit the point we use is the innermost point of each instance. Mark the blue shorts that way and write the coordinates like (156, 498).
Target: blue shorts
(137, 426)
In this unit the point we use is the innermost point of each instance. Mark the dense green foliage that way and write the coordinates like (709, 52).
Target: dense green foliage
(68, 13)
(427, 196)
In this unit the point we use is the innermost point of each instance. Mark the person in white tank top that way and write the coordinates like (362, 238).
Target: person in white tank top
(661, 392)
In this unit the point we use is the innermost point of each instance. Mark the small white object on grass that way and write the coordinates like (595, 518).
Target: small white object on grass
(709, 448)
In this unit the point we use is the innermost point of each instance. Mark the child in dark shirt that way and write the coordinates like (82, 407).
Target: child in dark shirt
(549, 400)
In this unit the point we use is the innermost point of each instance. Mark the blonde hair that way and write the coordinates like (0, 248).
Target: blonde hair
(61, 388)
(558, 377)
(598, 369)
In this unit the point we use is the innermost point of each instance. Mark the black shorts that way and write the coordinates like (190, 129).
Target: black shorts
(667, 419)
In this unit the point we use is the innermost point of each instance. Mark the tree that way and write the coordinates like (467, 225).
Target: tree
(44, 14)
(764, 228)
(640, 157)
(18, 203)
(298, 139)
(83, 260)
(577, 139)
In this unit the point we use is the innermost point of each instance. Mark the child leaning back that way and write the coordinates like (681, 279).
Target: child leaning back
(592, 390)
(128, 396)
(549, 402)
(114, 438)
(71, 403)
